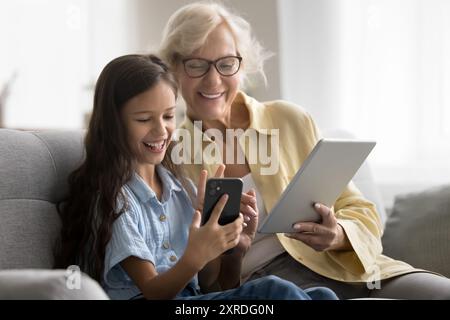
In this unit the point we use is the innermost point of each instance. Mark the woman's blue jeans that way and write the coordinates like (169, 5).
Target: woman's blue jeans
(265, 288)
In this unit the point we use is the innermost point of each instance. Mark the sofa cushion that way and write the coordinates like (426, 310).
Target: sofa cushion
(28, 231)
(48, 285)
(33, 177)
(418, 230)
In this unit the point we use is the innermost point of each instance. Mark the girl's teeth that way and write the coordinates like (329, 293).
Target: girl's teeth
(156, 146)
(211, 96)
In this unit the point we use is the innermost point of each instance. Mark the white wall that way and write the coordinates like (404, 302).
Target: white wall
(138, 24)
(380, 69)
(326, 53)
(309, 55)
(150, 17)
(58, 48)
(263, 17)
(44, 44)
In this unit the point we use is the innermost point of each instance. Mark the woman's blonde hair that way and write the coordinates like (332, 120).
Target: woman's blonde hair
(188, 28)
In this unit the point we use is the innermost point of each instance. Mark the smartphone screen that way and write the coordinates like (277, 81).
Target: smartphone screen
(215, 188)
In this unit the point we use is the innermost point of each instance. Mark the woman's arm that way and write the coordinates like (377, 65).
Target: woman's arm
(208, 276)
(222, 273)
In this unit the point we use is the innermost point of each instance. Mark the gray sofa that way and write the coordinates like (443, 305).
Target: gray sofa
(33, 171)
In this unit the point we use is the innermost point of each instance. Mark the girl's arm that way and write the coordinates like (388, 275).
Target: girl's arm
(205, 244)
(159, 286)
(224, 272)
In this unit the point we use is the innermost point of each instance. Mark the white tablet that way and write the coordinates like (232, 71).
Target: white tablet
(322, 178)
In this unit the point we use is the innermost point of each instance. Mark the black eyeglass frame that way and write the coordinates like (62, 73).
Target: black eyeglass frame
(211, 62)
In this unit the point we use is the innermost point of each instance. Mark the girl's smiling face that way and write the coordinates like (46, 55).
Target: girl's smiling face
(149, 120)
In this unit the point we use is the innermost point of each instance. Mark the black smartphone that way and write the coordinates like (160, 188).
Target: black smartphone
(215, 188)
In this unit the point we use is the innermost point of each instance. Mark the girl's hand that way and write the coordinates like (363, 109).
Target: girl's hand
(209, 241)
(202, 185)
(324, 236)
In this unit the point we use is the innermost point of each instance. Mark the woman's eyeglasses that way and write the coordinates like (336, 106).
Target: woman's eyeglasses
(225, 66)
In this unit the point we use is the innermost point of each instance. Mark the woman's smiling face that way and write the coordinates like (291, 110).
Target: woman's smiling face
(149, 120)
(210, 96)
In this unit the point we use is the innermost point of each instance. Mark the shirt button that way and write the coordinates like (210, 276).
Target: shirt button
(162, 218)
(173, 258)
(165, 245)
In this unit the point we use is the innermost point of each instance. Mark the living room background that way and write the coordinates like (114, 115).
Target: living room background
(379, 69)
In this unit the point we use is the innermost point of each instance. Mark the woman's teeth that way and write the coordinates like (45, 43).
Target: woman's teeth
(155, 146)
(211, 96)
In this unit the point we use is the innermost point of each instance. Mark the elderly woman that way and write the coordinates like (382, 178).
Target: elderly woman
(212, 51)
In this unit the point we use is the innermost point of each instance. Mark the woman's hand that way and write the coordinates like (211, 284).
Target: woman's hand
(324, 236)
(249, 211)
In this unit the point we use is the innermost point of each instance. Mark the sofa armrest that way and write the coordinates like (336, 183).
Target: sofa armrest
(418, 229)
(41, 284)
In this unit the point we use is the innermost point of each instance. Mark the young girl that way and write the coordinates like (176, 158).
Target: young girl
(130, 220)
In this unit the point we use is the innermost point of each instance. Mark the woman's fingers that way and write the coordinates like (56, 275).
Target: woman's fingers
(314, 241)
(328, 218)
(248, 210)
(309, 227)
(248, 204)
(248, 199)
(328, 221)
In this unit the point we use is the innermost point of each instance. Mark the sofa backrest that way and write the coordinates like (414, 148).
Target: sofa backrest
(34, 167)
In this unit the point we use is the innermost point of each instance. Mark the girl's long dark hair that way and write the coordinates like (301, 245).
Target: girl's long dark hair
(90, 209)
